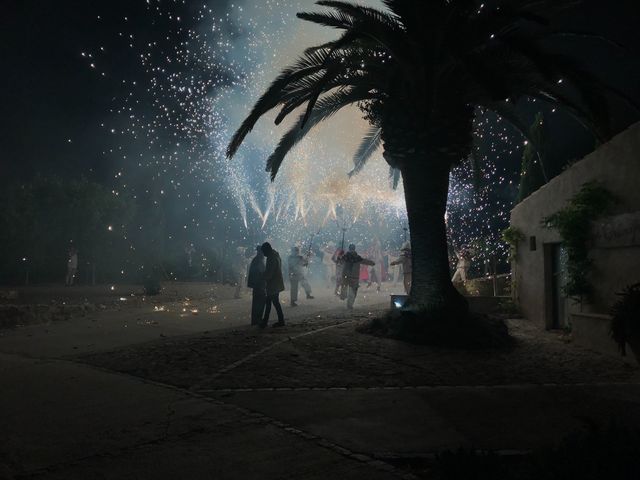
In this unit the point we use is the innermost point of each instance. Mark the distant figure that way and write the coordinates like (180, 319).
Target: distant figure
(377, 273)
(296, 264)
(256, 282)
(464, 262)
(405, 262)
(240, 267)
(72, 266)
(189, 250)
(397, 268)
(336, 258)
(274, 284)
(351, 274)
(329, 264)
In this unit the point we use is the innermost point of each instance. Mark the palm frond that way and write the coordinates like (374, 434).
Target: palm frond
(362, 22)
(370, 143)
(401, 8)
(328, 19)
(326, 107)
(321, 87)
(306, 73)
(269, 100)
(577, 111)
(440, 58)
(545, 7)
(525, 70)
(556, 66)
(297, 98)
(362, 13)
(589, 36)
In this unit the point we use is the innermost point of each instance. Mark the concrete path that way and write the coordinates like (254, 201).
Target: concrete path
(387, 422)
(66, 421)
(60, 419)
(314, 402)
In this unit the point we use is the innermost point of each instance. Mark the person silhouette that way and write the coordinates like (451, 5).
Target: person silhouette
(274, 283)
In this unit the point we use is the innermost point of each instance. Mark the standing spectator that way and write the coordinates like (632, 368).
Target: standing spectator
(189, 250)
(274, 284)
(72, 266)
(377, 273)
(336, 258)
(329, 264)
(256, 282)
(240, 267)
(296, 265)
(405, 262)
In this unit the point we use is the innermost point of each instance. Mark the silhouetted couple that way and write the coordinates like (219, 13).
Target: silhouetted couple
(266, 282)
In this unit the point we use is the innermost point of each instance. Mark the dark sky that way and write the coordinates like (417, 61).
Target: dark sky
(49, 96)
(48, 93)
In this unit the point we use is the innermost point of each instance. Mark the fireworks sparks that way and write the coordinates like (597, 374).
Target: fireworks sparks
(197, 74)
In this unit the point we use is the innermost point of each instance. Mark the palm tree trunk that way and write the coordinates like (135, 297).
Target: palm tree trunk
(426, 186)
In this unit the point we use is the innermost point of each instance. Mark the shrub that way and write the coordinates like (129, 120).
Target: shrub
(626, 316)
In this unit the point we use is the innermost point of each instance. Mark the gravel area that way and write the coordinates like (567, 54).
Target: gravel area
(308, 354)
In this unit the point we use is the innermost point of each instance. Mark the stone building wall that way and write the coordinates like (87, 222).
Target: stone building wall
(616, 240)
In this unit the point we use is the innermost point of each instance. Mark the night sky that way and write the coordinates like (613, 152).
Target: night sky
(62, 116)
(49, 96)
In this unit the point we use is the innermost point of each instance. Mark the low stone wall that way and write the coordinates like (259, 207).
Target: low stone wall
(483, 286)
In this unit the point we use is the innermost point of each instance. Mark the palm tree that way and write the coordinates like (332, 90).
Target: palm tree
(418, 71)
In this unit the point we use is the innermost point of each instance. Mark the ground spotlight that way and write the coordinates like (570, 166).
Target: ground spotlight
(398, 301)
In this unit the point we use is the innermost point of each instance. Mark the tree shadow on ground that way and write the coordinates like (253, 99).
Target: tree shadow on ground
(470, 332)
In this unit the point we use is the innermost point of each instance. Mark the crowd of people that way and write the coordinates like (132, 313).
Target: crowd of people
(343, 272)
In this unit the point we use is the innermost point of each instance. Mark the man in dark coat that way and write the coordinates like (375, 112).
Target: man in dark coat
(274, 284)
(351, 274)
(257, 284)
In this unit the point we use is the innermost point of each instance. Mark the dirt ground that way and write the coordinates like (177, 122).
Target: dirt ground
(327, 352)
(57, 321)
(116, 389)
(194, 334)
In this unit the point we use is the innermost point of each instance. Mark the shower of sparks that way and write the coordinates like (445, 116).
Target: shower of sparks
(197, 73)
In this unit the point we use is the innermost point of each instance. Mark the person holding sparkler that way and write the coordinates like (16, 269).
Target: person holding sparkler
(405, 262)
(351, 262)
(297, 264)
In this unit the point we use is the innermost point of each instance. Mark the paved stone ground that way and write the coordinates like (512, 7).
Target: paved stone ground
(327, 352)
(391, 401)
(314, 399)
(75, 423)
